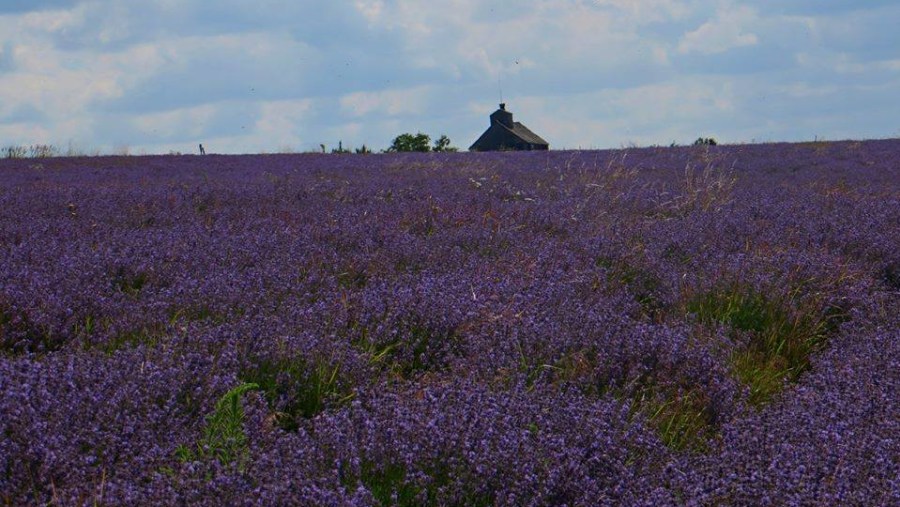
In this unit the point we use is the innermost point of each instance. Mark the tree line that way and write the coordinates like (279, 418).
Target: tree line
(418, 142)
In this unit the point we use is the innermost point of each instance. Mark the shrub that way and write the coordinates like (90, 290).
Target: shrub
(411, 142)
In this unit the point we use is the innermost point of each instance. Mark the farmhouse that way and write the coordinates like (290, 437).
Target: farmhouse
(505, 134)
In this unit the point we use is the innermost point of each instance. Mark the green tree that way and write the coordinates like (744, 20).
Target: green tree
(443, 144)
(411, 142)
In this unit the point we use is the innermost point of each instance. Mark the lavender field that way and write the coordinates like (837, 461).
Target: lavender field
(714, 325)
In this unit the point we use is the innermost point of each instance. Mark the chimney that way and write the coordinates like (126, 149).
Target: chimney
(502, 116)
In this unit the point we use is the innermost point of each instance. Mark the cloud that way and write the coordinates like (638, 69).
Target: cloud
(6, 57)
(279, 121)
(649, 11)
(722, 33)
(21, 113)
(389, 102)
(190, 122)
(53, 21)
(659, 113)
(819, 8)
(473, 40)
(163, 74)
(20, 6)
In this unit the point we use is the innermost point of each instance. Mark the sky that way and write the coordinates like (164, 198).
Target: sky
(160, 76)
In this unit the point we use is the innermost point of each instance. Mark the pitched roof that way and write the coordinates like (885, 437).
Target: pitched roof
(504, 133)
(523, 133)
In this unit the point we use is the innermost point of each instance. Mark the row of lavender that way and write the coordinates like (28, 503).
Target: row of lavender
(687, 325)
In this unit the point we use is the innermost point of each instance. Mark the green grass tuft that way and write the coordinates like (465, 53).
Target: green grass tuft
(390, 484)
(202, 313)
(782, 334)
(129, 283)
(297, 389)
(681, 420)
(642, 284)
(223, 435)
(20, 336)
(352, 278)
(149, 336)
(682, 416)
(415, 348)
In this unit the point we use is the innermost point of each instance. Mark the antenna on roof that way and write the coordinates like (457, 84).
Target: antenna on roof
(500, 88)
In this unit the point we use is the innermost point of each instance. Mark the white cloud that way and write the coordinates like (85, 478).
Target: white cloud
(650, 11)
(61, 86)
(847, 65)
(192, 121)
(804, 90)
(580, 72)
(53, 21)
(726, 31)
(64, 87)
(469, 39)
(280, 121)
(370, 9)
(389, 102)
(680, 110)
(25, 133)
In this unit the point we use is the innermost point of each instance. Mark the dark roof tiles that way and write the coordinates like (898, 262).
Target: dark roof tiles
(527, 135)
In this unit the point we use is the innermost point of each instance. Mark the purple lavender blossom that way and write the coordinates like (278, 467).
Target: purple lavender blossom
(696, 325)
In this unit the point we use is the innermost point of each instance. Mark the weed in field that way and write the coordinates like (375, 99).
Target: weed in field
(706, 189)
(533, 368)
(5, 329)
(392, 484)
(709, 188)
(147, 336)
(91, 332)
(20, 335)
(643, 284)
(411, 348)
(352, 278)
(890, 275)
(780, 341)
(32, 151)
(674, 252)
(388, 484)
(131, 283)
(223, 435)
(297, 389)
(681, 419)
(575, 366)
(200, 313)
